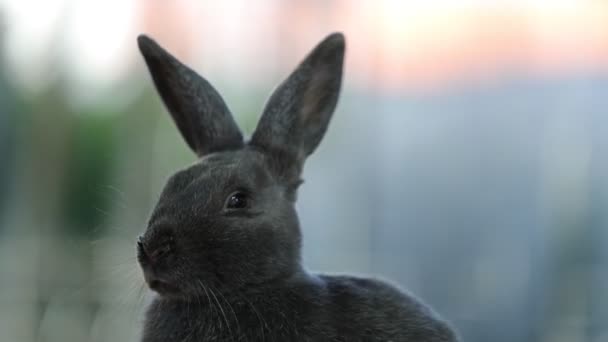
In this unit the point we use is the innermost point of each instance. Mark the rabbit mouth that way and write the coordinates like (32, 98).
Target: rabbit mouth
(159, 284)
(162, 287)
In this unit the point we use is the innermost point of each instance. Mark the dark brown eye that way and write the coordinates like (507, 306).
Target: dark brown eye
(237, 200)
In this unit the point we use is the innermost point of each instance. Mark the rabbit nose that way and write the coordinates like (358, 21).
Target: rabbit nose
(153, 253)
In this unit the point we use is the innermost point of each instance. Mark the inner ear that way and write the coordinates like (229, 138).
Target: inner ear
(198, 110)
(299, 111)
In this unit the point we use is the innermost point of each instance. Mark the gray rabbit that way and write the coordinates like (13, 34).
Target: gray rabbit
(222, 247)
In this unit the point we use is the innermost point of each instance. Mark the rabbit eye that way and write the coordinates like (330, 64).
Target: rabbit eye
(237, 200)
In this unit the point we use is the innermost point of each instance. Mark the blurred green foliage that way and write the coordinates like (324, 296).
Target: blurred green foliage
(92, 156)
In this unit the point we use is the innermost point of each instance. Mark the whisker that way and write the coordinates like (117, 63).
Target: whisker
(263, 323)
(238, 328)
(221, 310)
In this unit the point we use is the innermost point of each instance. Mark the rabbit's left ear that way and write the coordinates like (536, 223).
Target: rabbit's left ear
(198, 110)
(298, 112)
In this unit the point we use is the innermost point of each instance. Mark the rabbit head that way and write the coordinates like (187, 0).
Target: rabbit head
(229, 220)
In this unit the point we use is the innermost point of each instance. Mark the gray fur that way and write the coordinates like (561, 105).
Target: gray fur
(228, 272)
(196, 107)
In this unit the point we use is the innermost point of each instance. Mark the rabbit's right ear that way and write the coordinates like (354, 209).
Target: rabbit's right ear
(198, 110)
(298, 112)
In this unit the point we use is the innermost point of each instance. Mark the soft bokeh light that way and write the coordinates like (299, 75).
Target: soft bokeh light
(416, 44)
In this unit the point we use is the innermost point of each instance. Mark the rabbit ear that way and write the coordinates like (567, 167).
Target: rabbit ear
(198, 110)
(298, 112)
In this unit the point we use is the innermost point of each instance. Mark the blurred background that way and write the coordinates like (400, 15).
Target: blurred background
(467, 160)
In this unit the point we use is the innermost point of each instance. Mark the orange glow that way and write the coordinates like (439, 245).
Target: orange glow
(424, 45)
(436, 46)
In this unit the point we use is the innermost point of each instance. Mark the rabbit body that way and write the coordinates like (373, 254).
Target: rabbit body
(223, 244)
(312, 308)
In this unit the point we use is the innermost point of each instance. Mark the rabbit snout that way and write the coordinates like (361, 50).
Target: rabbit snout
(151, 252)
